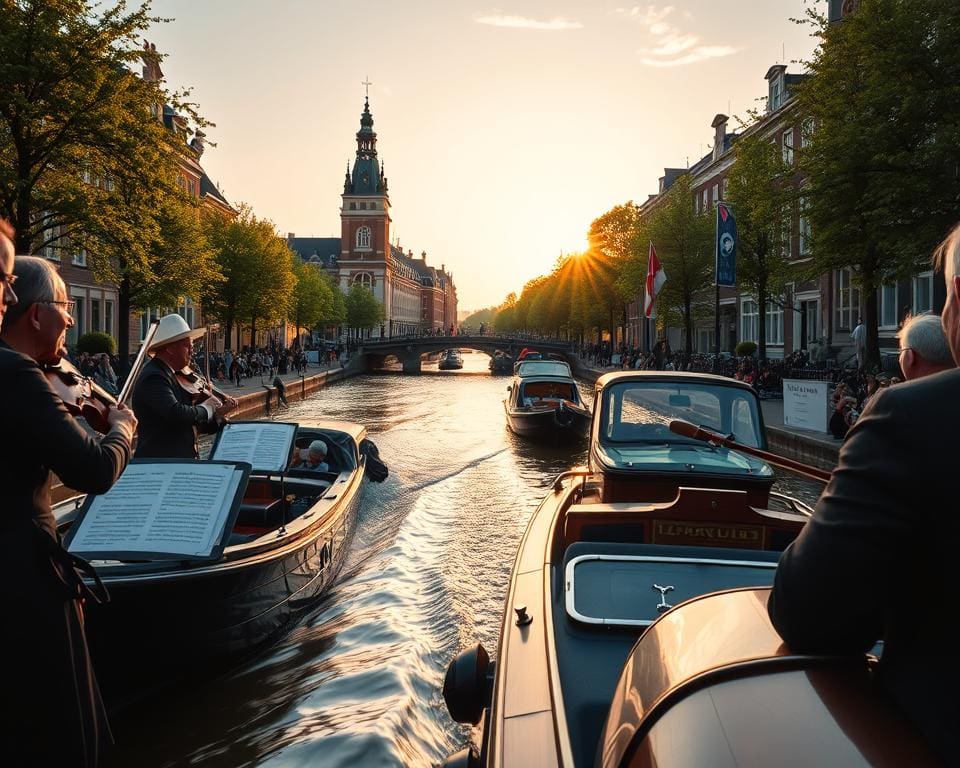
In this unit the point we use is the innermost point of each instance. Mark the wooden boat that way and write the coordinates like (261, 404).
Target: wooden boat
(501, 363)
(602, 662)
(450, 361)
(543, 402)
(166, 618)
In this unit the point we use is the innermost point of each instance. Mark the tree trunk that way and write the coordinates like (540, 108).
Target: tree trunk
(123, 322)
(688, 323)
(762, 319)
(871, 356)
(228, 331)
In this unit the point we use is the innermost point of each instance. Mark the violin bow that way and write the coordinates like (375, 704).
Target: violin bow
(138, 363)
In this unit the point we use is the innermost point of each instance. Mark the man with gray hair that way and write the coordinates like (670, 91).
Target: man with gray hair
(876, 560)
(923, 347)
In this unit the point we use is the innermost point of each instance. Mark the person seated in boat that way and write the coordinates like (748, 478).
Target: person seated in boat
(169, 418)
(315, 459)
(56, 716)
(876, 561)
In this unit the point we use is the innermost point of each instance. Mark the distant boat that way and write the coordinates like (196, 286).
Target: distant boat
(501, 363)
(544, 403)
(450, 360)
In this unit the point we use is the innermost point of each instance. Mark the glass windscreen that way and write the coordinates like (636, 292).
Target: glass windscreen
(641, 411)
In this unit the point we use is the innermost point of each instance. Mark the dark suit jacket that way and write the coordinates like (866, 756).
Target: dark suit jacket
(168, 420)
(878, 560)
(57, 716)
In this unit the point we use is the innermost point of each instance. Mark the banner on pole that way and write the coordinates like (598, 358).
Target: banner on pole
(656, 277)
(726, 262)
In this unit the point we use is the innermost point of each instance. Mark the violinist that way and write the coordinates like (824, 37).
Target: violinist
(172, 409)
(53, 714)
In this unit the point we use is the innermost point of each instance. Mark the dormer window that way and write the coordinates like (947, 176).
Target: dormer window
(776, 93)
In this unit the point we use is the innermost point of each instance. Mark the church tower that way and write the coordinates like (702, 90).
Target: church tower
(365, 218)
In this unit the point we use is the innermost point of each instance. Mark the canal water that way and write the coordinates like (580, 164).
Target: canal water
(357, 681)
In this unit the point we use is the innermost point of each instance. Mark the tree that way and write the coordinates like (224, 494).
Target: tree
(614, 241)
(312, 300)
(761, 197)
(363, 309)
(86, 163)
(684, 243)
(257, 274)
(884, 97)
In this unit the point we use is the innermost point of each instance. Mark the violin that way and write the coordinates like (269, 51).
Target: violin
(197, 387)
(80, 394)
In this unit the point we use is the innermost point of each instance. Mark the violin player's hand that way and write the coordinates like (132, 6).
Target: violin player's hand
(228, 404)
(120, 416)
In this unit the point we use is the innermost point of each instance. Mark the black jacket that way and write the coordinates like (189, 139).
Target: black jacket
(56, 716)
(878, 558)
(168, 420)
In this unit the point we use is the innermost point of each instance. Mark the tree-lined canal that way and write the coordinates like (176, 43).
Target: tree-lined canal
(357, 681)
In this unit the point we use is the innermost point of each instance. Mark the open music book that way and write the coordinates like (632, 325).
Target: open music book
(162, 508)
(265, 445)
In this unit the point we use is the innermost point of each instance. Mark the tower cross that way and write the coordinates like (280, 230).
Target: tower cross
(367, 83)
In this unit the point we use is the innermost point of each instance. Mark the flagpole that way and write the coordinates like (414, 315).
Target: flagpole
(716, 281)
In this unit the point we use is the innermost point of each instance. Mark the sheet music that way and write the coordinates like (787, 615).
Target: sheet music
(265, 445)
(162, 508)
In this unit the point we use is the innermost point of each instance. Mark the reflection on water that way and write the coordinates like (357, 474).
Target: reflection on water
(357, 681)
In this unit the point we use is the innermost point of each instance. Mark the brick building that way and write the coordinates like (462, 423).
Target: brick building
(416, 297)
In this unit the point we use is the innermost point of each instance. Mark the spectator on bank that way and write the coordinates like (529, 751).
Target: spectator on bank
(923, 347)
(859, 338)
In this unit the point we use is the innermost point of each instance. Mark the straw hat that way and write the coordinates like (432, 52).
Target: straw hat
(173, 328)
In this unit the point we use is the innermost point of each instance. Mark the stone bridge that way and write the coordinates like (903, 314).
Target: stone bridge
(410, 350)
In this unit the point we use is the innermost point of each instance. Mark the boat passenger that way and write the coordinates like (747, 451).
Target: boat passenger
(314, 460)
(923, 347)
(169, 419)
(877, 559)
(53, 713)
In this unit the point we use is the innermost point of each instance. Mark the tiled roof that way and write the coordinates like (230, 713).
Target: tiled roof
(209, 189)
(323, 250)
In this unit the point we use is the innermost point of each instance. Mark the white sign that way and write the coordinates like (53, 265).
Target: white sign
(805, 404)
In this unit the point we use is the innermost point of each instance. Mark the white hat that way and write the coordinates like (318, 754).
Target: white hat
(318, 448)
(173, 328)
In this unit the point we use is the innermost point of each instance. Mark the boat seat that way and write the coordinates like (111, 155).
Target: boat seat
(260, 513)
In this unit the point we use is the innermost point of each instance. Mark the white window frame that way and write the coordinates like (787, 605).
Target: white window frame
(706, 203)
(804, 229)
(787, 146)
(806, 132)
(364, 236)
(749, 321)
(916, 286)
(773, 321)
(887, 302)
(696, 204)
(724, 188)
(363, 278)
(715, 194)
(846, 300)
(80, 258)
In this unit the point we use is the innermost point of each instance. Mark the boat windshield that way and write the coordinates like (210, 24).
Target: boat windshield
(543, 368)
(641, 411)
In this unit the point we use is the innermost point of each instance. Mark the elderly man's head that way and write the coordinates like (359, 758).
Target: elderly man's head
(923, 347)
(37, 324)
(947, 257)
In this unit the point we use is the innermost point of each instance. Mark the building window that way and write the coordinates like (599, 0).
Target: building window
(706, 203)
(788, 146)
(776, 94)
(715, 193)
(363, 237)
(95, 315)
(186, 311)
(847, 300)
(806, 133)
(804, 228)
(108, 317)
(724, 188)
(922, 293)
(373, 206)
(79, 318)
(887, 299)
(696, 204)
(353, 206)
(363, 278)
(80, 258)
(748, 320)
(363, 206)
(773, 322)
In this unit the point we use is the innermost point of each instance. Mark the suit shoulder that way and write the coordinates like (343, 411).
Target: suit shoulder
(11, 360)
(932, 392)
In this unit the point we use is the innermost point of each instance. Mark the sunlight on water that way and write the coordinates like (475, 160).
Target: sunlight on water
(357, 681)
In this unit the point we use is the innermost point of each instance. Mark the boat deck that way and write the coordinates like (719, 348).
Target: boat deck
(616, 582)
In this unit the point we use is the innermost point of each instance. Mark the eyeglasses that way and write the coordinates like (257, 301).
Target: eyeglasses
(68, 306)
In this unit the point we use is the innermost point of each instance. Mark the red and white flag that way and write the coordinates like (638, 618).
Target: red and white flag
(656, 277)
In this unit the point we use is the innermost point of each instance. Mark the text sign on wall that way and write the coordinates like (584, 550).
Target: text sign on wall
(805, 404)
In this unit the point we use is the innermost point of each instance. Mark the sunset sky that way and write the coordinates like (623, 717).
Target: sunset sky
(505, 129)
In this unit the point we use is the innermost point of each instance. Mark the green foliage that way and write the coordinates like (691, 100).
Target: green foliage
(364, 311)
(258, 278)
(884, 95)
(95, 342)
(312, 301)
(684, 244)
(484, 316)
(762, 199)
(745, 348)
